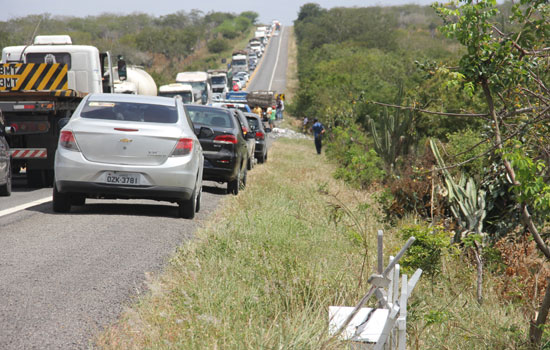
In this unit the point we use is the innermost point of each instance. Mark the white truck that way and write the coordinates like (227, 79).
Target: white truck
(185, 91)
(239, 61)
(137, 82)
(219, 82)
(40, 84)
(199, 82)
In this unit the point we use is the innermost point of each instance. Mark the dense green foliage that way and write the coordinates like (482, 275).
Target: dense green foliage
(161, 44)
(475, 76)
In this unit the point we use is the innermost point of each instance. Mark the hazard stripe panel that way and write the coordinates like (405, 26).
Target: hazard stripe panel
(33, 76)
(29, 153)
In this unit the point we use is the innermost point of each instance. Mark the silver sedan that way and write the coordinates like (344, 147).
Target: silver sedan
(129, 146)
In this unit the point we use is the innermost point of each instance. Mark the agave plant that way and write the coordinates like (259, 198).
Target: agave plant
(467, 204)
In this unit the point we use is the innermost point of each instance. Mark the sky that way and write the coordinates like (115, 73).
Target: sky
(285, 11)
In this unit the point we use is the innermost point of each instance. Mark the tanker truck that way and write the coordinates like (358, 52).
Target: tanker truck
(137, 82)
(40, 84)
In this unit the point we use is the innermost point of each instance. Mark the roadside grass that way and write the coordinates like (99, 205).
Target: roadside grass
(261, 275)
(263, 272)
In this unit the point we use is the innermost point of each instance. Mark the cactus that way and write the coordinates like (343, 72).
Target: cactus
(466, 200)
(468, 207)
(393, 141)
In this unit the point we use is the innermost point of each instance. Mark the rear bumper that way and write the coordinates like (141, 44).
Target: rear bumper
(91, 189)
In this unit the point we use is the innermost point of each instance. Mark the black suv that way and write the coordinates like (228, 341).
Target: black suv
(257, 127)
(224, 145)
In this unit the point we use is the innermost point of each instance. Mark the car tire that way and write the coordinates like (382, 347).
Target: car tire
(61, 201)
(262, 158)
(199, 199)
(78, 200)
(5, 190)
(233, 186)
(243, 180)
(187, 208)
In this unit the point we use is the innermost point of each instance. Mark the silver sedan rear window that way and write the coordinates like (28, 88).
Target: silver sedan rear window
(126, 111)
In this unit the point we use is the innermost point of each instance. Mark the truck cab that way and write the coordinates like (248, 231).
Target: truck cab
(85, 65)
(200, 84)
(40, 84)
(185, 91)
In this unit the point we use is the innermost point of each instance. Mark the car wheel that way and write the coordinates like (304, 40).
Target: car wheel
(243, 181)
(61, 201)
(199, 198)
(261, 159)
(187, 208)
(234, 185)
(78, 200)
(5, 190)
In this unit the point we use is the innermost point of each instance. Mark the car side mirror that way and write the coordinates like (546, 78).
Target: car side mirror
(267, 129)
(251, 135)
(62, 122)
(205, 132)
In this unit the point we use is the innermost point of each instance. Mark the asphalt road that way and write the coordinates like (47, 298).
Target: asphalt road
(64, 277)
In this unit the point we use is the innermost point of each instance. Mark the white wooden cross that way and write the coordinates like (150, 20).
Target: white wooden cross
(384, 327)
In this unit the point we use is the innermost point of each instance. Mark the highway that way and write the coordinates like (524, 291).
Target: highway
(64, 277)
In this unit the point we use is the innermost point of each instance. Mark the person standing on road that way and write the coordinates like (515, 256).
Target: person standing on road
(318, 131)
(270, 119)
(280, 108)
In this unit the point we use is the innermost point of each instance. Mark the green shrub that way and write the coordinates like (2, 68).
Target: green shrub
(359, 164)
(217, 45)
(426, 252)
(465, 145)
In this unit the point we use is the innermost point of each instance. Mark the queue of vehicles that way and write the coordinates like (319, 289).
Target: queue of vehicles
(69, 120)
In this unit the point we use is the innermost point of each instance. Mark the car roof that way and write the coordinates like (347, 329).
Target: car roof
(157, 100)
(210, 108)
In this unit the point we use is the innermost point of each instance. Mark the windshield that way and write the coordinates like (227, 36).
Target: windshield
(210, 117)
(253, 122)
(239, 62)
(128, 111)
(186, 96)
(218, 80)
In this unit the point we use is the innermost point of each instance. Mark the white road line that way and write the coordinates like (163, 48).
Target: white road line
(276, 59)
(25, 206)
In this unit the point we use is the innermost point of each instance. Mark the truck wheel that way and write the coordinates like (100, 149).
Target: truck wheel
(61, 201)
(5, 190)
(187, 208)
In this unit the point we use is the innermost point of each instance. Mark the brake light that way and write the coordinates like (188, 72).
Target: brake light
(226, 138)
(67, 141)
(260, 135)
(183, 147)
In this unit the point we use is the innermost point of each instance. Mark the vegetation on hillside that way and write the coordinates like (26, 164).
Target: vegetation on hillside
(163, 45)
(471, 77)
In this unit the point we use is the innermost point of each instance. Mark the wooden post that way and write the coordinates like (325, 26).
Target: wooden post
(380, 251)
(402, 320)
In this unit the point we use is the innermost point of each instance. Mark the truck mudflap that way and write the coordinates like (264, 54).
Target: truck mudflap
(28, 153)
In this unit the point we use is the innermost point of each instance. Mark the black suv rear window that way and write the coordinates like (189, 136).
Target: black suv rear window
(126, 111)
(210, 117)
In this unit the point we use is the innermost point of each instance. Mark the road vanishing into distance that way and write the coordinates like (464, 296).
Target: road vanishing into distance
(64, 277)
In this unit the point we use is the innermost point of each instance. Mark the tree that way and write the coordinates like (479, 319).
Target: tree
(251, 15)
(510, 69)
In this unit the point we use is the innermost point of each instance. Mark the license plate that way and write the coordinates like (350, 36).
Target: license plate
(122, 178)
